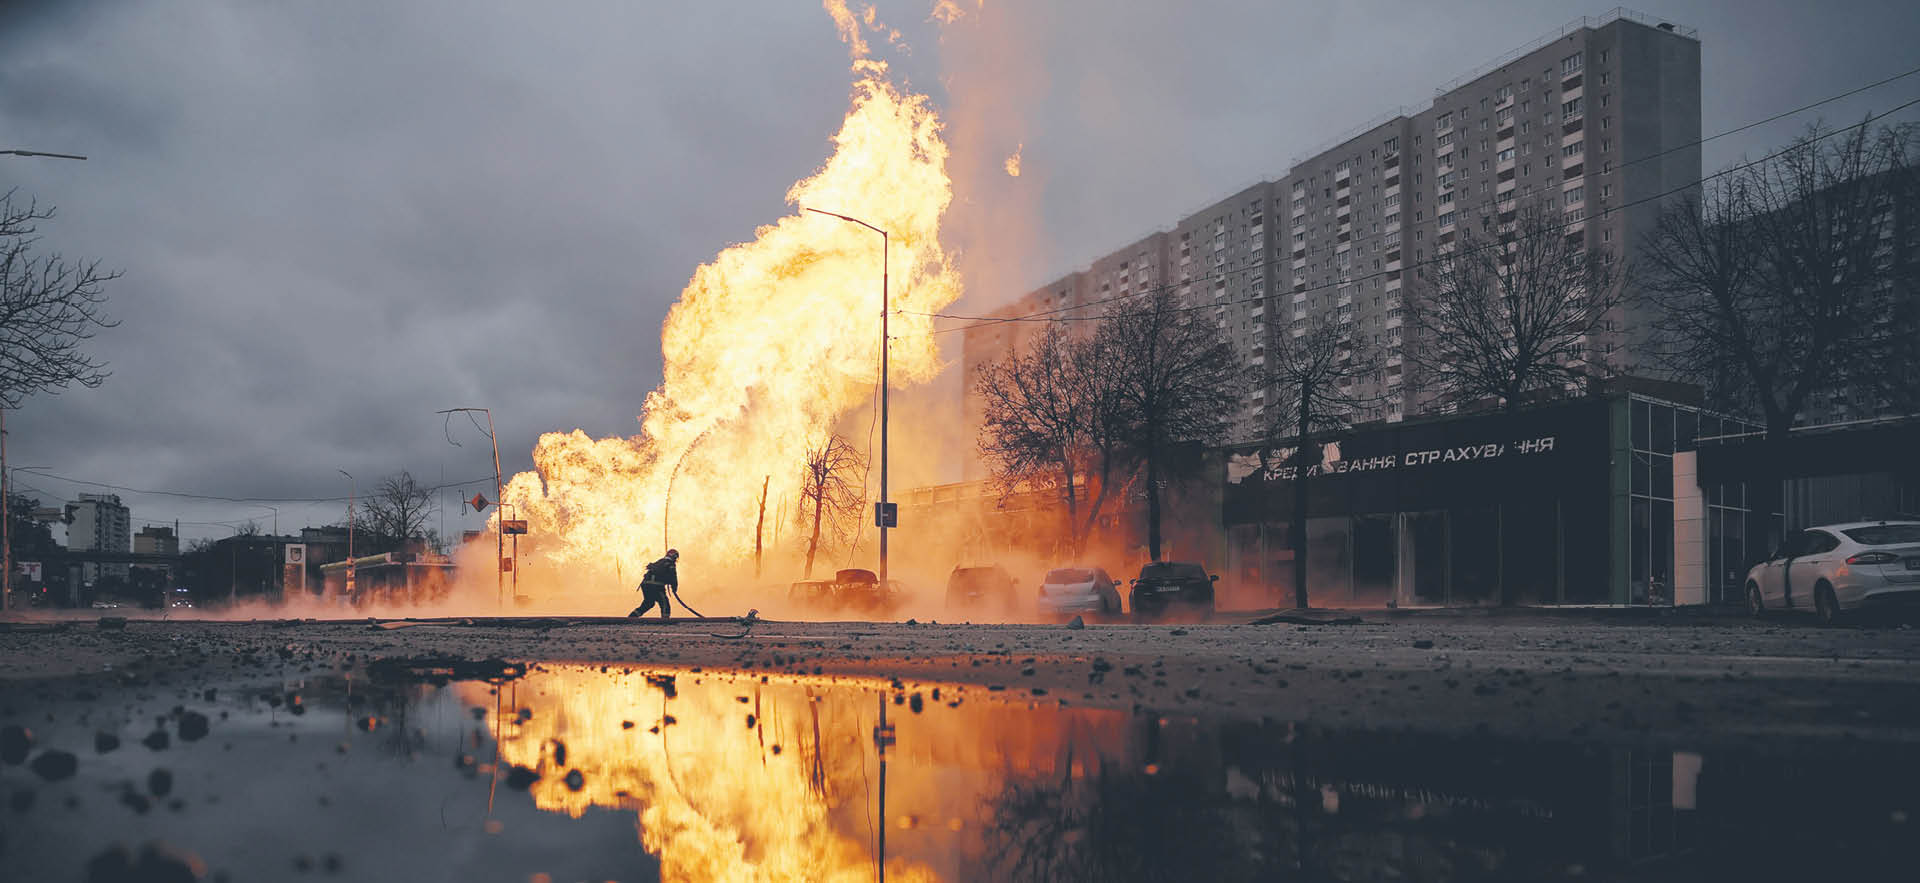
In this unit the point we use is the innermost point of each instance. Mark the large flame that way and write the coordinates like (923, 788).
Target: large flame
(769, 346)
(736, 778)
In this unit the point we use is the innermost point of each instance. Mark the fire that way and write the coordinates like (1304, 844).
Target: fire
(1013, 162)
(770, 345)
(777, 780)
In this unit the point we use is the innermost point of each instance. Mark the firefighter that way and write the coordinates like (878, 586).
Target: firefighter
(660, 576)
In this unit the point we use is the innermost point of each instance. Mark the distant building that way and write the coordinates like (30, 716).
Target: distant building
(1600, 120)
(156, 539)
(99, 523)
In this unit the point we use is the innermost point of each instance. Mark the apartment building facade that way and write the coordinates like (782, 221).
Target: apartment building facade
(99, 523)
(1599, 121)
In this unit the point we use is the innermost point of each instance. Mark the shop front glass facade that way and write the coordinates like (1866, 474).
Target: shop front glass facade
(1572, 503)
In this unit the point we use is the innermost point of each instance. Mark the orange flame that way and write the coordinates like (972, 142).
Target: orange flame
(1013, 162)
(768, 347)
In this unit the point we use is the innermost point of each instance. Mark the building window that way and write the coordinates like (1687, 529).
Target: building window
(1445, 121)
(1571, 65)
(1576, 196)
(1572, 109)
(1574, 149)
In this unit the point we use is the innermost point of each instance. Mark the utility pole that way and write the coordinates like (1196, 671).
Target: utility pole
(499, 540)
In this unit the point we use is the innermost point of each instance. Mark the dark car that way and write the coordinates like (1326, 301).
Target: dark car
(860, 591)
(1168, 585)
(979, 588)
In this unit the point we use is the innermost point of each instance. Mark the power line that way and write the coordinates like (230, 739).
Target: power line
(214, 498)
(1490, 203)
(1052, 315)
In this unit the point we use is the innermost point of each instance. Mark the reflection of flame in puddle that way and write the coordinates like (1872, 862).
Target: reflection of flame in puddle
(736, 778)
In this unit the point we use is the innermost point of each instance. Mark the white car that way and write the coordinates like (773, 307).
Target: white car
(1834, 568)
(1069, 590)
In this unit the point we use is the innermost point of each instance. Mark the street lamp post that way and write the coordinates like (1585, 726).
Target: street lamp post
(879, 519)
(6, 515)
(353, 491)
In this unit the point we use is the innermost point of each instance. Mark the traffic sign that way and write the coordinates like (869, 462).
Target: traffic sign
(479, 502)
(886, 514)
(511, 527)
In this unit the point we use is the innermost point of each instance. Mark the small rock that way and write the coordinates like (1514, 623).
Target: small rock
(104, 742)
(1076, 622)
(521, 778)
(15, 742)
(160, 782)
(113, 623)
(156, 740)
(1178, 632)
(575, 781)
(55, 765)
(193, 726)
(1423, 645)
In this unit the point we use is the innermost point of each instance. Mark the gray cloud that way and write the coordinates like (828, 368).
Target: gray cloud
(336, 218)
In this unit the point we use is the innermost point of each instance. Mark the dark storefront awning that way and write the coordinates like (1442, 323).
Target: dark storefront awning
(1839, 449)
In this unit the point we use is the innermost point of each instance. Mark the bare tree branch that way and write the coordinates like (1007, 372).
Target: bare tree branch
(830, 494)
(1514, 311)
(48, 307)
(1053, 422)
(1179, 380)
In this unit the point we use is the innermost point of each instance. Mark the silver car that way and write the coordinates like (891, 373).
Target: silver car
(1070, 590)
(1834, 568)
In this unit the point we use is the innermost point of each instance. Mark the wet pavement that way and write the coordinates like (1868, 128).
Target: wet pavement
(476, 770)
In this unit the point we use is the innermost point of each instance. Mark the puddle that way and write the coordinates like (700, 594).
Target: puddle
(583, 773)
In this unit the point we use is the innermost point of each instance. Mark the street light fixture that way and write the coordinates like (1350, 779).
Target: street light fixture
(40, 153)
(882, 509)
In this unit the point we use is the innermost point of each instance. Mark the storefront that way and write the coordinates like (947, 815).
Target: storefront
(1568, 503)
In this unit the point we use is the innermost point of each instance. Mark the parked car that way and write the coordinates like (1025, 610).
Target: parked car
(1066, 591)
(813, 593)
(977, 588)
(1835, 568)
(853, 590)
(860, 591)
(1164, 585)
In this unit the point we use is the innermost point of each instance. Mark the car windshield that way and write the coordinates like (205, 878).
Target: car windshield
(1168, 570)
(1884, 534)
(1064, 575)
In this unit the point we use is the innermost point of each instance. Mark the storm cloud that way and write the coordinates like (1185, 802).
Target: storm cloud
(336, 218)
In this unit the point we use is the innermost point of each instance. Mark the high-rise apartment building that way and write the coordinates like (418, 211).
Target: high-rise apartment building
(1599, 121)
(99, 523)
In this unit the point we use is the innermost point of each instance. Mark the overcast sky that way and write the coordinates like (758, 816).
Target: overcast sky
(336, 218)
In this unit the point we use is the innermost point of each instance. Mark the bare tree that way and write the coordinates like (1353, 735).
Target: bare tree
(1786, 282)
(830, 492)
(1513, 311)
(1316, 373)
(396, 513)
(1052, 421)
(48, 307)
(1178, 380)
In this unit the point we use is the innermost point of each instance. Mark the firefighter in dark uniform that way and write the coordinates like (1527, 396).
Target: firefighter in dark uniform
(659, 577)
